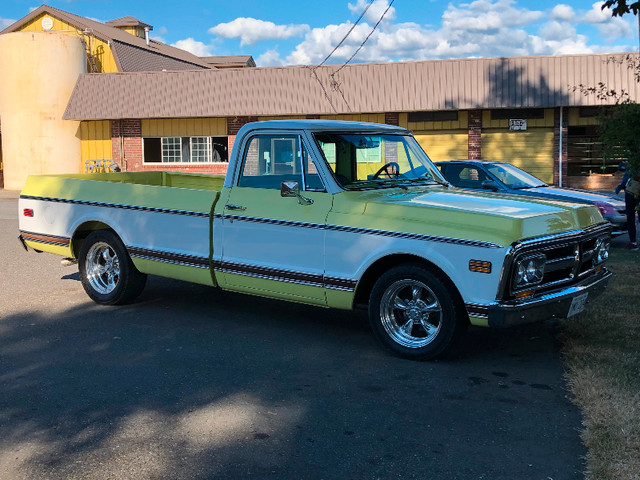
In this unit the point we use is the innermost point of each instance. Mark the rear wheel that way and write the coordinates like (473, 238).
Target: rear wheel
(106, 270)
(413, 313)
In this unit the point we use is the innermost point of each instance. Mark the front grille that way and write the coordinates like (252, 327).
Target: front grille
(570, 259)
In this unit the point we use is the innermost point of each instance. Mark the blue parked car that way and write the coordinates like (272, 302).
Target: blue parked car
(505, 178)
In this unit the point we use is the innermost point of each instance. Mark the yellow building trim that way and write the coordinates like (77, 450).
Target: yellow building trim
(547, 121)
(461, 123)
(444, 145)
(104, 61)
(531, 150)
(575, 120)
(95, 141)
(364, 117)
(184, 127)
(285, 117)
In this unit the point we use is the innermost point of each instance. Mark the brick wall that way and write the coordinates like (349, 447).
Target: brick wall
(126, 144)
(556, 146)
(126, 147)
(236, 123)
(475, 135)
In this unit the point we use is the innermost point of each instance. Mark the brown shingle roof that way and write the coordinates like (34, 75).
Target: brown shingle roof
(362, 88)
(128, 21)
(229, 61)
(108, 33)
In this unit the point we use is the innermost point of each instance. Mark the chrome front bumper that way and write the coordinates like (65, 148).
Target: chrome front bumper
(554, 304)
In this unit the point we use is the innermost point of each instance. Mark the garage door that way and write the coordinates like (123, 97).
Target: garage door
(444, 145)
(531, 150)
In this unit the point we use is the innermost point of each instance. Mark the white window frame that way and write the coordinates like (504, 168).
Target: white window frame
(190, 161)
(162, 150)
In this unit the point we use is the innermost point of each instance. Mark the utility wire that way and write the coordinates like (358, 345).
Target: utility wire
(365, 40)
(348, 33)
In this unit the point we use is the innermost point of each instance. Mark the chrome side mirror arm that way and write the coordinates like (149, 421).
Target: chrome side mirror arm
(292, 189)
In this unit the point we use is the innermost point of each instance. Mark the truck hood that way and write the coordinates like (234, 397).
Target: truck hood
(453, 213)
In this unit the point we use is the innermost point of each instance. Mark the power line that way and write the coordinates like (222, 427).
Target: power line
(365, 40)
(348, 33)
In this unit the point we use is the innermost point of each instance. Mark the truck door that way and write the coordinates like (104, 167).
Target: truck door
(273, 245)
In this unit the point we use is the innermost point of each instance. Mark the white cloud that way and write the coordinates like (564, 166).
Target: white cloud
(5, 22)
(193, 46)
(483, 15)
(375, 11)
(609, 26)
(480, 28)
(563, 12)
(251, 30)
(270, 58)
(597, 14)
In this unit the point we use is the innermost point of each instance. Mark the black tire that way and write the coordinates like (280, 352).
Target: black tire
(106, 270)
(413, 313)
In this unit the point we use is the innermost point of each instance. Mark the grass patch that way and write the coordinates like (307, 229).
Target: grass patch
(602, 357)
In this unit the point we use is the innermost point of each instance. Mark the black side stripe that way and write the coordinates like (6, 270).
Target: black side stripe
(117, 205)
(168, 257)
(337, 228)
(44, 238)
(362, 231)
(281, 275)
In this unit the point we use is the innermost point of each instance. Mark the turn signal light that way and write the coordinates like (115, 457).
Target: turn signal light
(480, 266)
(524, 294)
(28, 212)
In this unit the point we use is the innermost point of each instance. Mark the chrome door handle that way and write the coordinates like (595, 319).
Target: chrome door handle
(229, 206)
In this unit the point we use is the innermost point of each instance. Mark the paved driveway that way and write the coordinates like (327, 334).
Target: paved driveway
(191, 382)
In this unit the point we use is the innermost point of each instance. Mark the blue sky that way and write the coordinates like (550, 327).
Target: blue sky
(288, 32)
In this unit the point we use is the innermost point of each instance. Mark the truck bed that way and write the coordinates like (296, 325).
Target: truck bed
(151, 211)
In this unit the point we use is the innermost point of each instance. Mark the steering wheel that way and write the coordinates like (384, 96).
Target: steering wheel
(391, 169)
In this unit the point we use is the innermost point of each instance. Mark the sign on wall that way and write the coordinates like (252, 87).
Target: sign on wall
(517, 124)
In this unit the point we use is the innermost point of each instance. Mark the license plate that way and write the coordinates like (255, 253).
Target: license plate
(577, 304)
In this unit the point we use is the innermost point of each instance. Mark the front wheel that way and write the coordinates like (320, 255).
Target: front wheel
(413, 313)
(106, 270)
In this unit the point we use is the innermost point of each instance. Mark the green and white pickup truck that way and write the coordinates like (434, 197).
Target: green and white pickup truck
(328, 213)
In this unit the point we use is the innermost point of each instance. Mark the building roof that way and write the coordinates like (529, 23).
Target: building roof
(127, 49)
(519, 82)
(230, 61)
(128, 21)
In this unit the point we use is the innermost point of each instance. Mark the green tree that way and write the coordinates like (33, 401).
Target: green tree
(620, 134)
(620, 7)
(620, 126)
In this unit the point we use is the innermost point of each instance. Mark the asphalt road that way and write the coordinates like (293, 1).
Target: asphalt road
(191, 382)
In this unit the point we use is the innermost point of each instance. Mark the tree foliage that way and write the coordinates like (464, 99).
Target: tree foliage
(620, 134)
(621, 7)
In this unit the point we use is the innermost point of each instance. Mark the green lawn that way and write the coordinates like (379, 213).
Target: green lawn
(602, 358)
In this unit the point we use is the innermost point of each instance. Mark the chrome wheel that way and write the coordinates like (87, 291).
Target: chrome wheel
(410, 313)
(102, 268)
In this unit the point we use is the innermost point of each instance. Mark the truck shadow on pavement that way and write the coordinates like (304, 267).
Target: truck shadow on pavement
(193, 382)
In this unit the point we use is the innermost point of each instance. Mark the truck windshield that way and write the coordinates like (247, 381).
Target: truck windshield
(362, 161)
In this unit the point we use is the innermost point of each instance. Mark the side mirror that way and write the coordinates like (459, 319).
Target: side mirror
(490, 185)
(292, 189)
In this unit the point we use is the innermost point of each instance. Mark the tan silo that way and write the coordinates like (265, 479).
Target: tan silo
(38, 71)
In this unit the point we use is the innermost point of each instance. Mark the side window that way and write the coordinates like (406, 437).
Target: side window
(270, 160)
(472, 177)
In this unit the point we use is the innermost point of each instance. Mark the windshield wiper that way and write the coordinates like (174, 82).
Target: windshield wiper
(426, 179)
